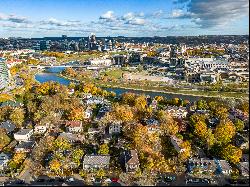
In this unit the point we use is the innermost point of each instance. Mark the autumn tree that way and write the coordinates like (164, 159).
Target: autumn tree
(4, 138)
(231, 153)
(186, 153)
(167, 124)
(122, 112)
(103, 149)
(128, 98)
(17, 117)
(4, 113)
(61, 143)
(224, 132)
(75, 113)
(239, 125)
(141, 102)
(55, 166)
(202, 105)
(77, 155)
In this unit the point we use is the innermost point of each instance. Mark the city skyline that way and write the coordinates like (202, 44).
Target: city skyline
(45, 18)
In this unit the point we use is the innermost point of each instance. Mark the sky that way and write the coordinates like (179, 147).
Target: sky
(48, 18)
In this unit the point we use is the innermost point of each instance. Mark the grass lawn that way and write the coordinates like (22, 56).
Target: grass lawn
(117, 73)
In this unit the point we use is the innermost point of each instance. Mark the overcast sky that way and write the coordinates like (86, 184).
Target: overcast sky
(39, 18)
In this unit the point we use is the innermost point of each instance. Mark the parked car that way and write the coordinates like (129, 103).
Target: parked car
(20, 182)
(71, 179)
(114, 179)
(98, 180)
(107, 180)
(51, 180)
(41, 180)
(170, 178)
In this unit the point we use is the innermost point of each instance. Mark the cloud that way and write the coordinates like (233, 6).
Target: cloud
(13, 18)
(108, 16)
(212, 13)
(136, 21)
(55, 22)
(17, 19)
(157, 13)
(134, 18)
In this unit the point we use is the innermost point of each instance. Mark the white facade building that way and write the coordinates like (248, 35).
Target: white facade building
(23, 135)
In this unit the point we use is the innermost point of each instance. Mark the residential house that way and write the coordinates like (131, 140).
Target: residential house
(102, 111)
(4, 159)
(24, 146)
(13, 104)
(152, 125)
(154, 104)
(40, 129)
(224, 167)
(201, 165)
(88, 113)
(72, 138)
(243, 169)
(93, 131)
(181, 124)
(73, 126)
(105, 138)
(131, 160)
(241, 141)
(208, 166)
(23, 134)
(236, 113)
(176, 142)
(96, 161)
(8, 126)
(115, 127)
(177, 112)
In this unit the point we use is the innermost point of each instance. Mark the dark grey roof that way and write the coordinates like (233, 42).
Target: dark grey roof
(152, 121)
(25, 145)
(69, 136)
(23, 131)
(8, 125)
(96, 159)
(4, 156)
(11, 103)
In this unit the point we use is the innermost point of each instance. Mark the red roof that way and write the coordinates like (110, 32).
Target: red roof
(73, 123)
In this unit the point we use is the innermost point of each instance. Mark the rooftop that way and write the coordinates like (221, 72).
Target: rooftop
(8, 125)
(96, 159)
(24, 131)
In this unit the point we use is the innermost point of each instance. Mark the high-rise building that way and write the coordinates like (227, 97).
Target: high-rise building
(92, 42)
(4, 74)
(44, 45)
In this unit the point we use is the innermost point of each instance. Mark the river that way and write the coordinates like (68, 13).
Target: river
(51, 74)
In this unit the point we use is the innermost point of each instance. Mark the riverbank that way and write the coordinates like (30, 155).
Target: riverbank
(207, 94)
